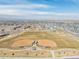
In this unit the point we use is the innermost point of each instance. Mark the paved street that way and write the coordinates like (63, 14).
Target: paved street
(24, 58)
(36, 58)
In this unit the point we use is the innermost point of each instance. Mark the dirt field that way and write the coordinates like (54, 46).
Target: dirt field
(22, 42)
(55, 39)
(47, 41)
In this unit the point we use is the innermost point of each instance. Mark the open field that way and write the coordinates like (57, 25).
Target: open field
(56, 39)
(57, 43)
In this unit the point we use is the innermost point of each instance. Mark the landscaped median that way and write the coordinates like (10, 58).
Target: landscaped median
(24, 53)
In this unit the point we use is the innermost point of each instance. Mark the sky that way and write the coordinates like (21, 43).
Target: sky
(39, 9)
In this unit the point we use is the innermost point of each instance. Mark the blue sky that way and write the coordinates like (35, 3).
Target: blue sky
(39, 9)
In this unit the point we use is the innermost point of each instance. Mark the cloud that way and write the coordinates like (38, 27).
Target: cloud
(29, 11)
(22, 10)
(37, 15)
(17, 12)
(65, 14)
(9, 12)
(52, 13)
(27, 6)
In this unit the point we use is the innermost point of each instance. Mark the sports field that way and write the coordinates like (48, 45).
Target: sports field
(53, 40)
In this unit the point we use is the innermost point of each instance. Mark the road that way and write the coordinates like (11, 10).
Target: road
(24, 58)
(76, 57)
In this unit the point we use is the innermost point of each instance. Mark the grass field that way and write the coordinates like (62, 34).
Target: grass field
(59, 39)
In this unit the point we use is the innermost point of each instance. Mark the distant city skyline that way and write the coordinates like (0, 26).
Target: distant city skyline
(39, 9)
